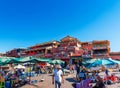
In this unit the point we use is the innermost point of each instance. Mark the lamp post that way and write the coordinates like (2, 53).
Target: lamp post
(30, 70)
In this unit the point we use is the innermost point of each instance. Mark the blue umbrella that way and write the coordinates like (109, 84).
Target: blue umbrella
(101, 62)
(95, 63)
(115, 61)
(89, 61)
(107, 62)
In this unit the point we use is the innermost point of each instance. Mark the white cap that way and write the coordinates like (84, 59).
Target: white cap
(58, 66)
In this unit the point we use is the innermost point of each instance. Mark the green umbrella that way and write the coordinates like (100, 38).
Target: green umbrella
(22, 60)
(43, 60)
(1, 63)
(56, 62)
(4, 61)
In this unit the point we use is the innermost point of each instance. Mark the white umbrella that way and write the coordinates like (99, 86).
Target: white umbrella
(47, 64)
(28, 63)
(19, 67)
(116, 61)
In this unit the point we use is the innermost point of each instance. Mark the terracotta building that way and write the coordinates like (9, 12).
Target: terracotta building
(43, 50)
(87, 48)
(115, 55)
(101, 49)
(68, 47)
(15, 52)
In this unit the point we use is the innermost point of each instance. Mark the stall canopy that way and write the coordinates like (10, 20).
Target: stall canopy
(19, 67)
(21, 60)
(99, 62)
(56, 62)
(90, 61)
(116, 61)
(43, 60)
(4, 61)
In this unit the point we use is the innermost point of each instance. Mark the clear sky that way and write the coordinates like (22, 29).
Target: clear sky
(28, 22)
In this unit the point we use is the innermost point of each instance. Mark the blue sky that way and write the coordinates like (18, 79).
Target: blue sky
(28, 22)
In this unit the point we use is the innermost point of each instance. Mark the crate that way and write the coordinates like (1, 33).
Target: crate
(2, 79)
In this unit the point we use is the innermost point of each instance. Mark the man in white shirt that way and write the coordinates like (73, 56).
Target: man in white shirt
(57, 77)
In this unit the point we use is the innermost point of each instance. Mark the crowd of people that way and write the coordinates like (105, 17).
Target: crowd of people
(92, 79)
(17, 77)
(84, 79)
(88, 79)
(13, 79)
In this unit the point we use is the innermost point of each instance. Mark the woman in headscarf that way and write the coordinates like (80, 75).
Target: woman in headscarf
(99, 83)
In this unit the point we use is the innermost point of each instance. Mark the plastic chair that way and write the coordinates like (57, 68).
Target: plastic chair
(7, 84)
(2, 84)
(12, 83)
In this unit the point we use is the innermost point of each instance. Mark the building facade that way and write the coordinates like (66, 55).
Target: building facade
(43, 50)
(64, 49)
(15, 52)
(115, 55)
(101, 49)
(87, 48)
(68, 47)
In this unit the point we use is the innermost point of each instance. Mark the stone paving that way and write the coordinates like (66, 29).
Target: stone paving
(47, 83)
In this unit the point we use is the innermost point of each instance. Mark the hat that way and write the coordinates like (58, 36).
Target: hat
(58, 66)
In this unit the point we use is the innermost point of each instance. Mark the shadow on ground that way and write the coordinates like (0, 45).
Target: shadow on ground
(70, 80)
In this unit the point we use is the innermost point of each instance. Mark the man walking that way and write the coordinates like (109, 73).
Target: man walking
(57, 77)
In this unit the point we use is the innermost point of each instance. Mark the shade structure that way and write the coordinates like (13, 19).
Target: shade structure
(28, 63)
(95, 63)
(12, 60)
(56, 62)
(116, 61)
(107, 62)
(22, 60)
(1, 64)
(19, 67)
(4, 61)
(42, 60)
(99, 62)
(90, 61)
(47, 64)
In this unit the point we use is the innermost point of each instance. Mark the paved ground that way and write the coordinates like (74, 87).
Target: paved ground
(47, 83)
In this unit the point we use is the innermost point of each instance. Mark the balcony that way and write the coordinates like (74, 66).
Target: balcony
(62, 48)
(71, 48)
(65, 57)
(101, 55)
(64, 44)
(73, 44)
(55, 50)
(86, 56)
(35, 55)
(55, 53)
(57, 57)
(48, 55)
(100, 47)
(76, 54)
(87, 47)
